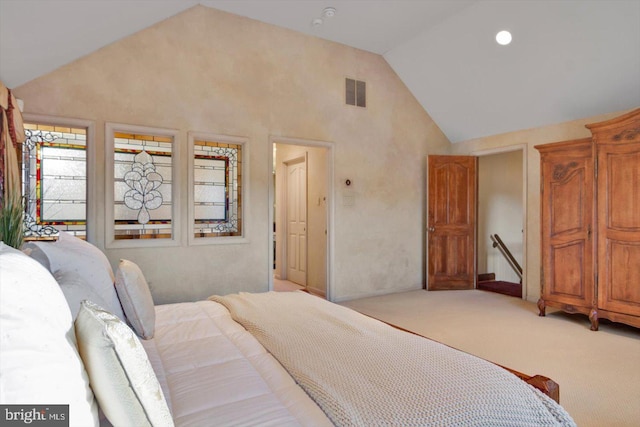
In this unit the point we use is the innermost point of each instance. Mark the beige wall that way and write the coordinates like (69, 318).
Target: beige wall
(531, 137)
(209, 71)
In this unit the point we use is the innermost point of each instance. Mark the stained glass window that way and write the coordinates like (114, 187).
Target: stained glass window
(142, 194)
(217, 188)
(54, 179)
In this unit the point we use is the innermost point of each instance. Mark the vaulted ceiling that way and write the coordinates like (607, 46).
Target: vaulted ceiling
(569, 59)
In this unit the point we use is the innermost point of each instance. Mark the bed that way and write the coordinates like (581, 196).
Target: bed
(244, 359)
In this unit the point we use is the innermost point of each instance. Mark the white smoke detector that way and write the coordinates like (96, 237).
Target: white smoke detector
(329, 12)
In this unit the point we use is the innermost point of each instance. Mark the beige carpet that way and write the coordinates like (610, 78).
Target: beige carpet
(285, 286)
(598, 372)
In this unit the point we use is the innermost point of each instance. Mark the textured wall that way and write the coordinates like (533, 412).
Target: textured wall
(209, 71)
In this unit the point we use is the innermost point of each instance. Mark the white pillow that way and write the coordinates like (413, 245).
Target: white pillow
(71, 254)
(39, 363)
(76, 290)
(119, 370)
(136, 299)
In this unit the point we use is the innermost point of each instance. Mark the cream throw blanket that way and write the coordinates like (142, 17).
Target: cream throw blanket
(363, 372)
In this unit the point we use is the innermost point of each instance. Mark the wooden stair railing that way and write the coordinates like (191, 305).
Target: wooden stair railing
(504, 250)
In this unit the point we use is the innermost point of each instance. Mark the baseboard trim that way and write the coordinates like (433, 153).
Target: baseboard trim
(377, 293)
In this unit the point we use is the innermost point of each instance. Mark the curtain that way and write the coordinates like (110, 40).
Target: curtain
(11, 136)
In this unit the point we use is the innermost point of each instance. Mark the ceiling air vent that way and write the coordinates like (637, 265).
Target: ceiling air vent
(356, 92)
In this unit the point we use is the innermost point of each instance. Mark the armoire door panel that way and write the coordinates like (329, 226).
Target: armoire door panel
(621, 290)
(567, 276)
(566, 226)
(618, 210)
(569, 194)
(623, 190)
(617, 147)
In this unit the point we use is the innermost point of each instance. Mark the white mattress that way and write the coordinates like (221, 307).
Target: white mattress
(214, 372)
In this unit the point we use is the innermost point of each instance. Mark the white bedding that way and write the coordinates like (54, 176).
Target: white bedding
(362, 372)
(213, 372)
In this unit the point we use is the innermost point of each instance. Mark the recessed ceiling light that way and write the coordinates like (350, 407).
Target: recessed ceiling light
(317, 22)
(503, 37)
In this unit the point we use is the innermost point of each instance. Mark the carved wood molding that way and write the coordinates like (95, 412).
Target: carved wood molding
(628, 134)
(560, 171)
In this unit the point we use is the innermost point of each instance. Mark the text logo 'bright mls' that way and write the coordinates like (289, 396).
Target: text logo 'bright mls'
(34, 415)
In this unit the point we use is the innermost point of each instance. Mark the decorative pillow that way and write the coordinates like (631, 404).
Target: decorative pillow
(39, 363)
(136, 299)
(121, 376)
(69, 253)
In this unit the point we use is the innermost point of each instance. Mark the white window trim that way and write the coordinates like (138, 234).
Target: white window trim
(110, 241)
(244, 191)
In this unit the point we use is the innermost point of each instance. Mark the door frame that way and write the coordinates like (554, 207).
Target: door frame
(525, 175)
(274, 139)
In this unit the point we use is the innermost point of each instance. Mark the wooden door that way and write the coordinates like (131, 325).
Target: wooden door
(451, 222)
(297, 221)
(567, 226)
(619, 223)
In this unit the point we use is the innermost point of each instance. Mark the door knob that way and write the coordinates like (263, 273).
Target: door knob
(431, 229)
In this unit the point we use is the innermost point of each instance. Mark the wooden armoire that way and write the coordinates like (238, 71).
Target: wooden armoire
(590, 223)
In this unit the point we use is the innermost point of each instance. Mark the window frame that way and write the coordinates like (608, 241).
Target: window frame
(176, 183)
(90, 171)
(243, 194)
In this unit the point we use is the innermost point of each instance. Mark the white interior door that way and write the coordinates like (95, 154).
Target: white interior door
(297, 221)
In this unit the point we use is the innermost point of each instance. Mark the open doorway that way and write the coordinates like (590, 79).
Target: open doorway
(501, 221)
(300, 214)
